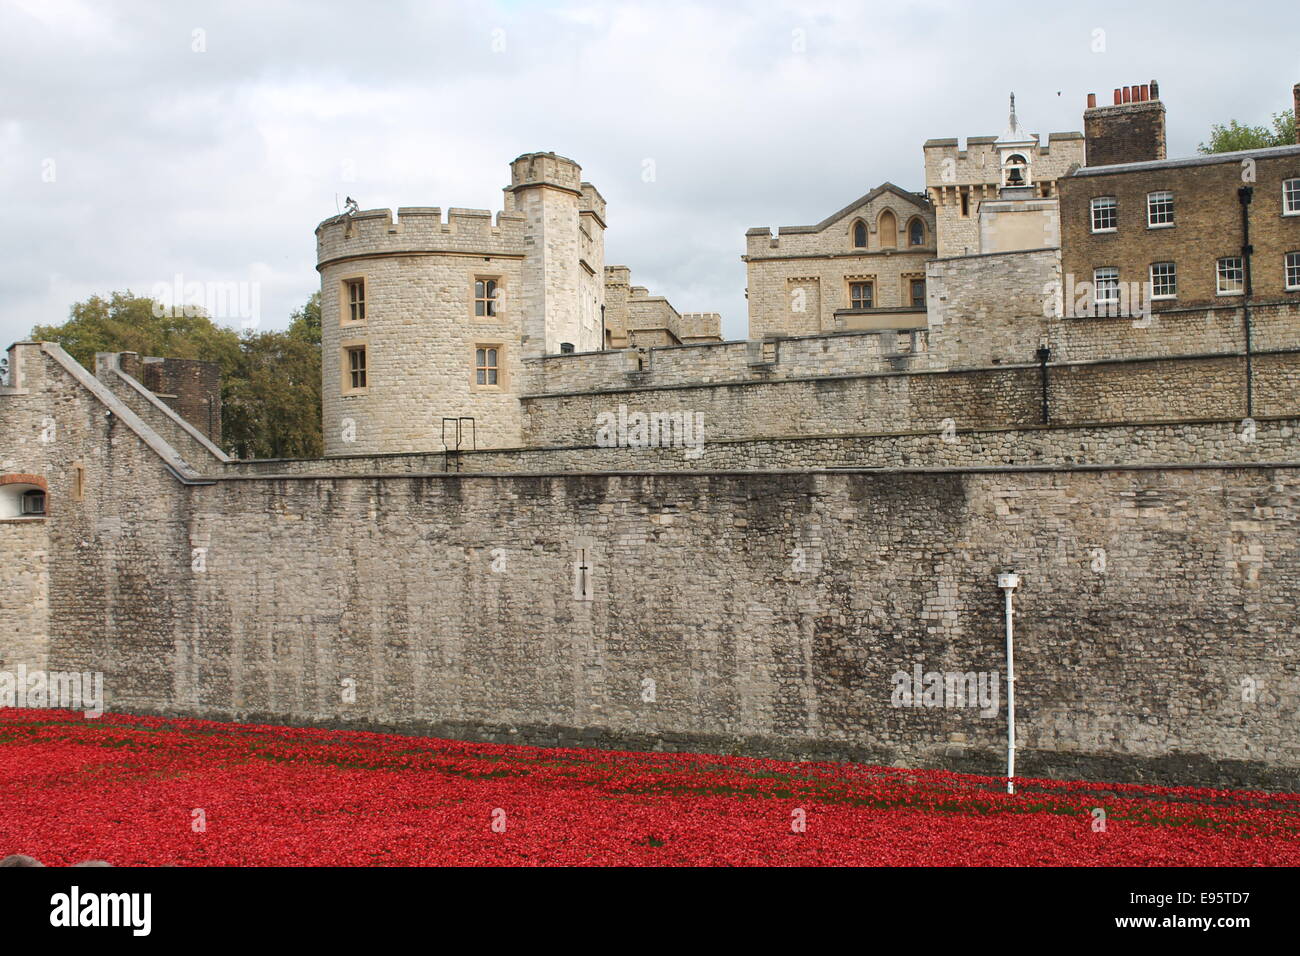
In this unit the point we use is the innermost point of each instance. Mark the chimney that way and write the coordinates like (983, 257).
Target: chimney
(1132, 130)
(1295, 97)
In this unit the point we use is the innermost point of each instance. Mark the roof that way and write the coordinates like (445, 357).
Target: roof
(916, 199)
(1234, 157)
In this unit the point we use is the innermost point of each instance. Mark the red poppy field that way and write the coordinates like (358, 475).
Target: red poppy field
(140, 791)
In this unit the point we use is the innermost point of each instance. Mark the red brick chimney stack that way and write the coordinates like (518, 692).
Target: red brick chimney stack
(1131, 130)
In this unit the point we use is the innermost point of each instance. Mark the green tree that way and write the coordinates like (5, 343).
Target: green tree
(130, 323)
(270, 381)
(1234, 136)
(272, 408)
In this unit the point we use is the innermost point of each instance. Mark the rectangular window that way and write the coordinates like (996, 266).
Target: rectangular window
(1291, 197)
(32, 503)
(485, 297)
(918, 293)
(355, 290)
(356, 366)
(1292, 270)
(1105, 214)
(1164, 280)
(860, 295)
(1160, 209)
(1105, 283)
(487, 366)
(1231, 276)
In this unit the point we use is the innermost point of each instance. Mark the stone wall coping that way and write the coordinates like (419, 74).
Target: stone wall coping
(112, 403)
(732, 472)
(162, 406)
(972, 370)
(820, 437)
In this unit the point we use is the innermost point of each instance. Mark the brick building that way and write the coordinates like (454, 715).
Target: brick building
(1205, 231)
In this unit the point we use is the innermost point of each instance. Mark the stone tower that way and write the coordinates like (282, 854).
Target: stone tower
(426, 322)
(564, 262)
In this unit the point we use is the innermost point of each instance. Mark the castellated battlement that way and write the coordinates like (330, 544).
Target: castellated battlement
(546, 169)
(420, 229)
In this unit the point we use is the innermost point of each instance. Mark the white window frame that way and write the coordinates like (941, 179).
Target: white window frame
(1291, 272)
(1291, 197)
(1162, 199)
(1171, 274)
(1111, 282)
(1221, 270)
(1099, 203)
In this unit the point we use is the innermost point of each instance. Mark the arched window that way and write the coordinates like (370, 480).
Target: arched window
(916, 233)
(888, 229)
(860, 235)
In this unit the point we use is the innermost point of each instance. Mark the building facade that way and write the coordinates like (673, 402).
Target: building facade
(861, 268)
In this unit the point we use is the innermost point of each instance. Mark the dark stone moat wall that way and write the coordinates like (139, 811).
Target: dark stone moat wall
(769, 611)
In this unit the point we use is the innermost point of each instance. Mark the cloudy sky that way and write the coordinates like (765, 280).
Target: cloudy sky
(143, 141)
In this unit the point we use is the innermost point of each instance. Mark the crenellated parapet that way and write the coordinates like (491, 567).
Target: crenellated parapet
(419, 229)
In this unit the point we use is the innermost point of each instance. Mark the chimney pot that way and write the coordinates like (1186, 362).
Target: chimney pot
(1146, 92)
(1118, 96)
(1128, 94)
(1092, 100)
(1155, 90)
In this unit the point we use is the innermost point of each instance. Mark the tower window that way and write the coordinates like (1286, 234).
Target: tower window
(485, 297)
(1160, 209)
(918, 293)
(860, 295)
(965, 204)
(356, 367)
(32, 503)
(916, 233)
(1231, 276)
(1105, 214)
(487, 368)
(860, 235)
(355, 291)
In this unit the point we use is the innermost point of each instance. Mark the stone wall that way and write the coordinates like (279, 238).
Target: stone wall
(768, 612)
(763, 612)
(1220, 440)
(1161, 389)
(724, 362)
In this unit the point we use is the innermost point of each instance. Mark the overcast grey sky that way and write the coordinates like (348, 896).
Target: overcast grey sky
(140, 141)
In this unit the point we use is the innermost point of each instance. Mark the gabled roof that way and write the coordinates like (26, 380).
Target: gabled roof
(915, 199)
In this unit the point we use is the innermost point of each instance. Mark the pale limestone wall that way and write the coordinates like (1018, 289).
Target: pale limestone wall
(721, 362)
(977, 171)
(1222, 440)
(449, 601)
(1167, 389)
(797, 278)
(53, 585)
(313, 582)
(420, 335)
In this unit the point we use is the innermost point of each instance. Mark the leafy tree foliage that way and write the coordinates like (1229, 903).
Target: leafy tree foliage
(270, 381)
(1234, 136)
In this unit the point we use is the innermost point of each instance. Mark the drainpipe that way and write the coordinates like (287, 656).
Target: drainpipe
(603, 344)
(1244, 195)
(1008, 582)
(1044, 353)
